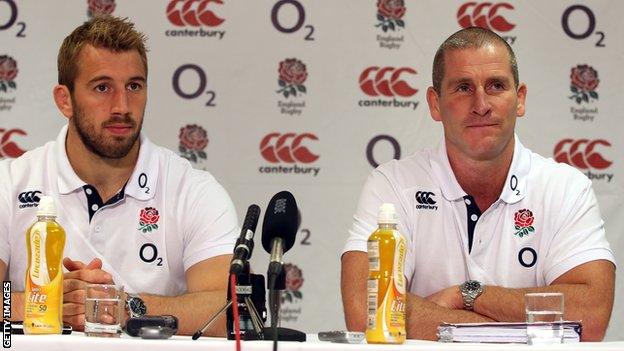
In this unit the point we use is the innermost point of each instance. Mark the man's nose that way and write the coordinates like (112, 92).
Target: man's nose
(481, 106)
(120, 102)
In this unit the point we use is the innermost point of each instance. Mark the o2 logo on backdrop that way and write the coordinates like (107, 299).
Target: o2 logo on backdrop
(372, 144)
(11, 19)
(189, 91)
(584, 155)
(290, 148)
(9, 148)
(578, 31)
(288, 28)
(100, 7)
(486, 15)
(194, 14)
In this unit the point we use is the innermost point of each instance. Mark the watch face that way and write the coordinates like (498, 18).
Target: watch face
(137, 307)
(472, 285)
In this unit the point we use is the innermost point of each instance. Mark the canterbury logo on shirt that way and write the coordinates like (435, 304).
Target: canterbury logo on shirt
(29, 198)
(426, 200)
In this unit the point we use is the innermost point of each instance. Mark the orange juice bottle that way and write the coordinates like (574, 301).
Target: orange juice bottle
(386, 282)
(45, 241)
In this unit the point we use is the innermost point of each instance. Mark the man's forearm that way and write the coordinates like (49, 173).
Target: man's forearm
(424, 317)
(17, 306)
(588, 292)
(192, 309)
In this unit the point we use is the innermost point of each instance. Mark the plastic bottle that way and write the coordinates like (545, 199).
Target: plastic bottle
(45, 241)
(386, 282)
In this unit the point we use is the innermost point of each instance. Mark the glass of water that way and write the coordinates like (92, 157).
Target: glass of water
(544, 315)
(103, 310)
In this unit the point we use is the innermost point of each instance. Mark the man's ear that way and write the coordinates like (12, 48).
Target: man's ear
(63, 100)
(522, 92)
(433, 100)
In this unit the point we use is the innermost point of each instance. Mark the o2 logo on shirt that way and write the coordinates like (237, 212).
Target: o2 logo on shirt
(527, 257)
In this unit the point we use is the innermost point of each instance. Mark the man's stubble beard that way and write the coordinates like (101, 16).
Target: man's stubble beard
(111, 148)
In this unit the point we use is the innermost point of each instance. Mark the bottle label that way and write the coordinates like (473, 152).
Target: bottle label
(43, 298)
(372, 289)
(373, 255)
(386, 318)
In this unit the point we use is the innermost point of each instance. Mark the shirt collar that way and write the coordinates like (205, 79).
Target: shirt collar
(515, 184)
(141, 184)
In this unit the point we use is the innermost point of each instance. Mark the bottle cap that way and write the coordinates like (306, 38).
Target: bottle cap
(387, 214)
(46, 206)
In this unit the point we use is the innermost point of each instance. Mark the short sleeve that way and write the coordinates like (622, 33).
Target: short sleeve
(209, 221)
(580, 236)
(5, 211)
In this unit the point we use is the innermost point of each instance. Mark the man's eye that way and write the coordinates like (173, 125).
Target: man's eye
(101, 88)
(498, 86)
(134, 86)
(463, 88)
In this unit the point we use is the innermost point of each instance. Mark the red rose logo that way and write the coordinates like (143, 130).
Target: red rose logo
(523, 222)
(292, 74)
(584, 81)
(391, 9)
(8, 72)
(148, 219)
(294, 281)
(292, 71)
(100, 7)
(193, 141)
(390, 14)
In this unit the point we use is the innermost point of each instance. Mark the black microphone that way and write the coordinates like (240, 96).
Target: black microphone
(279, 228)
(244, 244)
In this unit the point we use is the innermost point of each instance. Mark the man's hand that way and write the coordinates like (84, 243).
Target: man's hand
(450, 298)
(74, 293)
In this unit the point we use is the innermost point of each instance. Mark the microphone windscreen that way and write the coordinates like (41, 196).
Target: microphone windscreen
(252, 217)
(281, 220)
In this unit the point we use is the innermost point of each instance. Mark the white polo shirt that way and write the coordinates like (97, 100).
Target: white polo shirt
(435, 215)
(196, 218)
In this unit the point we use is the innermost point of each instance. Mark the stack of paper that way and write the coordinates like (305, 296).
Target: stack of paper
(498, 332)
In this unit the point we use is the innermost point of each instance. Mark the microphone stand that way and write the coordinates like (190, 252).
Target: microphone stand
(245, 291)
(277, 283)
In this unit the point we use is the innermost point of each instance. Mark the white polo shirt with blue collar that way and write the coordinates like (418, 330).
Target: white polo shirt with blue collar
(166, 218)
(545, 222)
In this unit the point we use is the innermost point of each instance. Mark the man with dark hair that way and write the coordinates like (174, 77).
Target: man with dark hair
(135, 214)
(486, 219)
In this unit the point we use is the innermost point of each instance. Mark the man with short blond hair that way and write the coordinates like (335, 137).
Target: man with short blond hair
(135, 214)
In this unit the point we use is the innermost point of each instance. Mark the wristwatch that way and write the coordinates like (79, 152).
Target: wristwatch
(470, 290)
(135, 306)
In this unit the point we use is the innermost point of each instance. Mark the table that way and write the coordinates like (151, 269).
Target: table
(78, 342)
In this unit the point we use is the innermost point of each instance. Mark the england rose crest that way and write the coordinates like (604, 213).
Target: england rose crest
(523, 222)
(294, 281)
(390, 14)
(100, 7)
(292, 74)
(8, 72)
(148, 219)
(193, 142)
(583, 83)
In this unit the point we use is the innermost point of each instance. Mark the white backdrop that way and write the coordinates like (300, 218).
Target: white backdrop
(214, 64)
